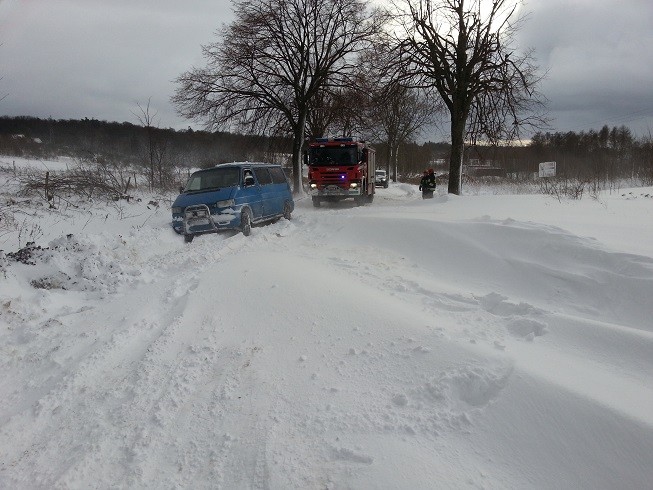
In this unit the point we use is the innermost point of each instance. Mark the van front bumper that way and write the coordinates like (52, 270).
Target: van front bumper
(198, 219)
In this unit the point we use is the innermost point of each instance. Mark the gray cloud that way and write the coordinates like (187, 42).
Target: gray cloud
(97, 59)
(599, 67)
(88, 58)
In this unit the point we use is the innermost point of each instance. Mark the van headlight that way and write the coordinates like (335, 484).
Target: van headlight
(225, 204)
(177, 210)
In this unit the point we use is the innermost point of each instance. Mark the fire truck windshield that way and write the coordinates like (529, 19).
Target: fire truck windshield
(334, 156)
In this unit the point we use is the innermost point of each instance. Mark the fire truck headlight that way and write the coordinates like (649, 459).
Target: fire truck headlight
(313, 186)
(353, 185)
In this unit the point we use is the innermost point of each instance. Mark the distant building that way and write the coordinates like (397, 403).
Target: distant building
(484, 170)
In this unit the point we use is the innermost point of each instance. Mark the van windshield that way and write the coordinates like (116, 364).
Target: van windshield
(215, 178)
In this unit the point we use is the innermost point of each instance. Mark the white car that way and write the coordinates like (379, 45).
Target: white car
(381, 178)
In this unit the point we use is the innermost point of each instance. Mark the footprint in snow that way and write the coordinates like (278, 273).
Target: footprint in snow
(526, 329)
(497, 305)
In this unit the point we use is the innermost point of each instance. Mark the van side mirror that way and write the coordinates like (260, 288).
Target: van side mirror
(181, 189)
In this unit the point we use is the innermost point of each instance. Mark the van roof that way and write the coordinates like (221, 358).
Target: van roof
(239, 165)
(248, 164)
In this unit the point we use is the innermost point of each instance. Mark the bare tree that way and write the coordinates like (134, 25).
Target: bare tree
(400, 114)
(396, 113)
(374, 104)
(338, 110)
(646, 163)
(2, 97)
(155, 146)
(322, 114)
(271, 62)
(463, 50)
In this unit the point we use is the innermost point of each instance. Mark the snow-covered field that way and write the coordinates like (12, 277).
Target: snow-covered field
(482, 341)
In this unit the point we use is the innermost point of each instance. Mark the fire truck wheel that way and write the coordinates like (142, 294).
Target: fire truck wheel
(360, 200)
(287, 210)
(316, 202)
(246, 222)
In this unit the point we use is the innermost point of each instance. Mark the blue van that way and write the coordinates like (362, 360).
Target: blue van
(231, 196)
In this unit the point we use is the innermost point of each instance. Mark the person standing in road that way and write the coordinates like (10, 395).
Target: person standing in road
(427, 184)
(423, 183)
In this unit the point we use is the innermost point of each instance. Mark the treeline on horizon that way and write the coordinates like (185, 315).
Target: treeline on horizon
(606, 153)
(127, 143)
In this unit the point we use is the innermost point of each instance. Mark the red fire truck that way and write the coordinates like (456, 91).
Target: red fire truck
(340, 168)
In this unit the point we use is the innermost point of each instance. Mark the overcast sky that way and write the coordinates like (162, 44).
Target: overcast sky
(71, 59)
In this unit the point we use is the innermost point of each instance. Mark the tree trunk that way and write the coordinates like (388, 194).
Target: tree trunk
(396, 163)
(456, 158)
(297, 146)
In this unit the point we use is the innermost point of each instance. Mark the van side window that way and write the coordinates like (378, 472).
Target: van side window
(278, 177)
(248, 178)
(263, 176)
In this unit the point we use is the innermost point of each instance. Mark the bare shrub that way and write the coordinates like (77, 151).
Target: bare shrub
(86, 181)
(27, 254)
(564, 189)
(7, 221)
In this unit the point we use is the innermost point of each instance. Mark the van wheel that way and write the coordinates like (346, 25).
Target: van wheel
(287, 210)
(246, 222)
(188, 238)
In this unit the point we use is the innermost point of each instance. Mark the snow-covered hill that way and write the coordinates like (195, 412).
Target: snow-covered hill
(487, 341)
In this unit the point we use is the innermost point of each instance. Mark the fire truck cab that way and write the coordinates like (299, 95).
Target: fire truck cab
(340, 168)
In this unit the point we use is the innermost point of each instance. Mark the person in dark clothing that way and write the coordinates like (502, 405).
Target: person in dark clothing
(427, 184)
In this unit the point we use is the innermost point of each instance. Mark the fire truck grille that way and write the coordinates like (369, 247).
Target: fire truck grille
(333, 178)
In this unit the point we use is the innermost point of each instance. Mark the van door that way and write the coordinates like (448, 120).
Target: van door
(250, 195)
(281, 187)
(270, 207)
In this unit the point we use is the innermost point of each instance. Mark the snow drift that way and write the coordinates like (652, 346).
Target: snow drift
(488, 341)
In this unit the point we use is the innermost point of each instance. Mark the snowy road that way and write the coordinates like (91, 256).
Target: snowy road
(405, 344)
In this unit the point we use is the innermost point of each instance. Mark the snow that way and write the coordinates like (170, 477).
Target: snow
(476, 341)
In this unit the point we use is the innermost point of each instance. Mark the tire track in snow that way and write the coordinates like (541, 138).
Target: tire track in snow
(113, 356)
(167, 393)
(243, 460)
